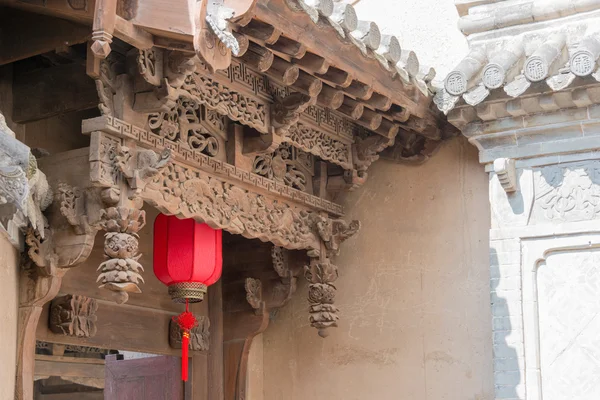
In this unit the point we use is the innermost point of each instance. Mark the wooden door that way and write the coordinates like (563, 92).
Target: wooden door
(154, 378)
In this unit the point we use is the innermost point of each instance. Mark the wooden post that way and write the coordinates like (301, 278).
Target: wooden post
(215, 353)
(103, 28)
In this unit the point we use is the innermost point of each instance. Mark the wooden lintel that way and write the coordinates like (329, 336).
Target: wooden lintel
(34, 34)
(123, 327)
(133, 35)
(69, 367)
(44, 93)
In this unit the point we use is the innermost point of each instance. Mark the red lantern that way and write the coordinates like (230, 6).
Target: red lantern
(187, 258)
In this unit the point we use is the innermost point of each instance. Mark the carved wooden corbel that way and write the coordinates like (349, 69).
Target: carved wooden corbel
(123, 217)
(37, 287)
(321, 274)
(199, 336)
(286, 111)
(73, 315)
(283, 290)
(254, 296)
(366, 151)
(333, 232)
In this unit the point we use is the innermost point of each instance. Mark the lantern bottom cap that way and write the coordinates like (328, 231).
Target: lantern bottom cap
(191, 291)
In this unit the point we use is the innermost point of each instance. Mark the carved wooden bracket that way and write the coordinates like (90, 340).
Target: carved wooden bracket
(199, 336)
(73, 315)
(286, 111)
(37, 287)
(334, 232)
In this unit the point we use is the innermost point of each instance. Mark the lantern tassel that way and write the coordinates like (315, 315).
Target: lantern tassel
(186, 321)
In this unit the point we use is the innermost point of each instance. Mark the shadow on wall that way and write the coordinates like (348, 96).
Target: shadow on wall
(507, 375)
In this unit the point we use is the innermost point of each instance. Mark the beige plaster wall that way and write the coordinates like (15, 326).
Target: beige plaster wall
(413, 293)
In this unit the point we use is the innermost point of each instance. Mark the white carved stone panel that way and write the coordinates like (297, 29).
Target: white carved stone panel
(569, 325)
(567, 193)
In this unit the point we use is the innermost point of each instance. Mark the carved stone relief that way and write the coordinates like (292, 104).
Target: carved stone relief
(74, 315)
(569, 192)
(199, 336)
(555, 194)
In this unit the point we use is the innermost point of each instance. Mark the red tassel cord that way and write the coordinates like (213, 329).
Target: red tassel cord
(186, 322)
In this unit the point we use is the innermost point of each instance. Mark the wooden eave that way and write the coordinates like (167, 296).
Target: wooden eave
(370, 82)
